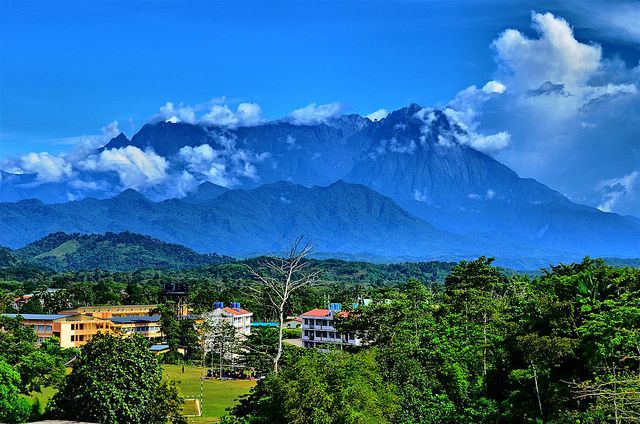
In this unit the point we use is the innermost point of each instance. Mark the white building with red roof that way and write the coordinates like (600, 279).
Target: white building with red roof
(318, 328)
(239, 318)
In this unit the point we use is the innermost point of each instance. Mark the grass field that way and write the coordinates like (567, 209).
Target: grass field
(218, 395)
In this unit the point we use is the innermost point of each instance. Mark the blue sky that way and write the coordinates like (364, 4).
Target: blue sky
(68, 69)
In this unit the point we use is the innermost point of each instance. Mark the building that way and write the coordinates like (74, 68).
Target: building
(108, 311)
(239, 318)
(75, 329)
(20, 301)
(70, 330)
(318, 328)
(148, 327)
(293, 322)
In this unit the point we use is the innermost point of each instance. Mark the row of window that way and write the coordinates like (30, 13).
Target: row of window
(329, 334)
(151, 328)
(42, 328)
(309, 321)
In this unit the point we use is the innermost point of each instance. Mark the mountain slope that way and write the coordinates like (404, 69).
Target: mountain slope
(342, 219)
(419, 158)
(110, 251)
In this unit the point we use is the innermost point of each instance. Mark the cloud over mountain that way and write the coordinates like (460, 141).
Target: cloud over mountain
(564, 104)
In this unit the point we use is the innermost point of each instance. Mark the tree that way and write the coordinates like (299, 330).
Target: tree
(261, 346)
(13, 408)
(170, 328)
(283, 277)
(39, 369)
(223, 344)
(117, 379)
(335, 387)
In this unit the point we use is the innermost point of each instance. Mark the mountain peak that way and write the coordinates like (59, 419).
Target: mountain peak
(118, 141)
(131, 194)
(205, 192)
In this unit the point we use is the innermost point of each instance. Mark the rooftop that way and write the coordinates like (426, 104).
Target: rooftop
(236, 311)
(321, 313)
(37, 317)
(159, 347)
(264, 324)
(131, 320)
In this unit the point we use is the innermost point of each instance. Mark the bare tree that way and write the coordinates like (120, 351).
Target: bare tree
(616, 392)
(283, 276)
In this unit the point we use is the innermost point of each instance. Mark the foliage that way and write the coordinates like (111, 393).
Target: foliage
(335, 387)
(113, 251)
(486, 347)
(116, 379)
(13, 408)
(38, 366)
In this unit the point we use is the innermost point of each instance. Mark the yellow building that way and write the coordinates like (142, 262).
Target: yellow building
(76, 330)
(108, 311)
(148, 327)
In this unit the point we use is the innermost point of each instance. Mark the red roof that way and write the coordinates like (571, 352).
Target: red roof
(322, 313)
(238, 311)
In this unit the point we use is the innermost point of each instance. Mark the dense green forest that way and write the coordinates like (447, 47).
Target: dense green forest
(341, 281)
(124, 251)
(442, 342)
(481, 348)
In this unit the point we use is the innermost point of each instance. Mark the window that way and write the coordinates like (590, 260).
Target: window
(49, 328)
(73, 338)
(41, 328)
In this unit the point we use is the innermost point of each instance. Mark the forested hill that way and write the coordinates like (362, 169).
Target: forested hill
(111, 251)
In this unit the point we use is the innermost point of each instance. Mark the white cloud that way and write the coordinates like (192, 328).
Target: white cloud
(181, 113)
(377, 115)
(490, 143)
(555, 56)
(246, 114)
(135, 168)
(249, 114)
(222, 166)
(420, 196)
(291, 143)
(615, 190)
(48, 168)
(315, 114)
(215, 113)
(494, 87)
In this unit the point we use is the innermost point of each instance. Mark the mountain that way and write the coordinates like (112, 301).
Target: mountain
(205, 192)
(114, 252)
(418, 158)
(342, 219)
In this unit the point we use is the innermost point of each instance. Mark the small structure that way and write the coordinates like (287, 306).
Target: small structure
(159, 349)
(318, 328)
(264, 324)
(293, 322)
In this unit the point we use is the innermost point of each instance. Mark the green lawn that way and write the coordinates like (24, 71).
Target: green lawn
(218, 395)
(42, 397)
